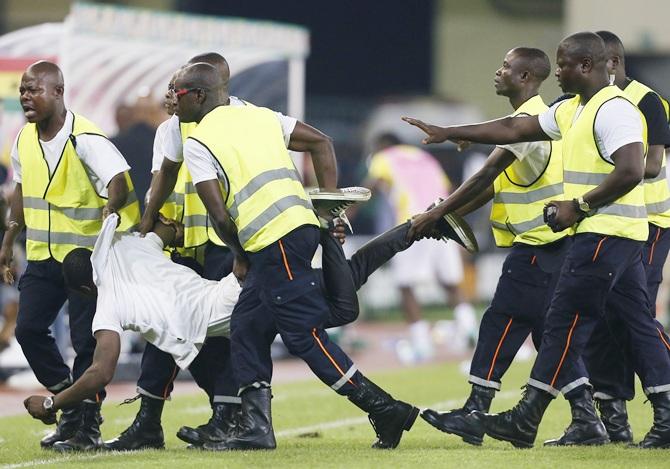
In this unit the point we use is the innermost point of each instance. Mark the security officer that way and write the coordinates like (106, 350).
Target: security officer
(268, 222)
(521, 178)
(603, 157)
(68, 178)
(608, 362)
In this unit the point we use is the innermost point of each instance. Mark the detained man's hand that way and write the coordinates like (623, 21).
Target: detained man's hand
(339, 230)
(35, 407)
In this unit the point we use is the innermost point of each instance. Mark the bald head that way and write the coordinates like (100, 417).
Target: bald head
(216, 60)
(584, 45)
(199, 75)
(535, 61)
(41, 93)
(48, 72)
(613, 45)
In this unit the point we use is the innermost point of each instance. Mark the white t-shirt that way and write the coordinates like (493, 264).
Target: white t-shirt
(159, 144)
(618, 123)
(170, 305)
(172, 142)
(532, 159)
(101, 160)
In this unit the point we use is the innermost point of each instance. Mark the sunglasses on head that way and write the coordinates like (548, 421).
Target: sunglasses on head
(182, 91)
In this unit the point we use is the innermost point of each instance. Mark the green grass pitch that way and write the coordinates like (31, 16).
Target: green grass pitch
(317, 428)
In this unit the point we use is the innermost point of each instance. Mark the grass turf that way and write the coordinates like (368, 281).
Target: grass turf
(316, 428)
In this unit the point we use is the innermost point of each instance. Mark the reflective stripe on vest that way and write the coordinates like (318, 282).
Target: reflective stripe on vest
(265, 198)
(516, 213)
(585, 168)
(656, 191)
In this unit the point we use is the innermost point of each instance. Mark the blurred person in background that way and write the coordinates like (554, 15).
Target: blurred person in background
(411, 179)
(137, 129)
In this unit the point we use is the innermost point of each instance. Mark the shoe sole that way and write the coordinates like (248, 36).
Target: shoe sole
(463, 231)
(466, 437)
(140, 448)
(516, 443)
(591, 442)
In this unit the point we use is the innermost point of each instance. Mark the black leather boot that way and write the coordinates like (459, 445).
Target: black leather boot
(254, 429)
(145, 432)
(220, 425)
(586, 428)
(659, 434)
(455, 421)
(67, 426)
(389, 417)
(614, 415)
(519, 424)
(87, 436)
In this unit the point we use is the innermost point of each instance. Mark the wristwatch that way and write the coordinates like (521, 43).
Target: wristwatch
(582, 205)
(48, 405)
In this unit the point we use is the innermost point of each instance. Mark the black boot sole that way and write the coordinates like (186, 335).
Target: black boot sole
(599, 441)
(192, 437)
(139, 448)
(466, 437)
(516, 443)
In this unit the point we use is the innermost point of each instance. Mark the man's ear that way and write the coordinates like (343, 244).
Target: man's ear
(587, 64)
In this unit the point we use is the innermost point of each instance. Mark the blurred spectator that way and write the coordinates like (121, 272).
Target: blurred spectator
(137, 127)
(412, 179)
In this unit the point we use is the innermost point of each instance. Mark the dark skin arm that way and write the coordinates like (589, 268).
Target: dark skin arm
(495, 132)
(210, 194)
(628, 172)
(96, 377)
(118, 194)
(162, 185)
(654, 160)
(16, 224)
(306, 138)
(472, 194)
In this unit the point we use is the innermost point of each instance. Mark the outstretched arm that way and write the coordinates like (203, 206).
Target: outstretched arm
(495, 132)
(96, 377)
(320, 146)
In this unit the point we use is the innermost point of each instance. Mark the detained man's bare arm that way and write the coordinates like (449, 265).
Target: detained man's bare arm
(96, 377)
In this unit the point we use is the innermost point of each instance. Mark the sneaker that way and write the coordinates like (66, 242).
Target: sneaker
(456, 228)
(336, 202)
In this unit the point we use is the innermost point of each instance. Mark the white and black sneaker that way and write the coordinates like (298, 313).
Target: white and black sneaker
(334, 203)
(453, 226)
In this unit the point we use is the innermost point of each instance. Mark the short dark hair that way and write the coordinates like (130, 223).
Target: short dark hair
(613, 43)
(537, 61)
(585, 45)
(388, 139)
(77, 268)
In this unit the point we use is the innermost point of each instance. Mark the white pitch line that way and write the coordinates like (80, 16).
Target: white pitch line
(284, 433)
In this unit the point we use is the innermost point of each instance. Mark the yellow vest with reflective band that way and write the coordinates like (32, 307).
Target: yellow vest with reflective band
(63, 211)
(585, 168)
(263, 192)
(656, 192)
(516, 214)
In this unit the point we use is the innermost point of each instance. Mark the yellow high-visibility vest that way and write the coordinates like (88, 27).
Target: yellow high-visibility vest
(517, 210)
(656, 192)
(263, 191)
(63, 211)
(585, 168)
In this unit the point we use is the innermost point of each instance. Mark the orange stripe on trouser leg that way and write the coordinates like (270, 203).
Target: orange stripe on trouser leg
(325, 352)
(653, 245)
(567, 346)
(283, 255)
(595, 254)
(495, 355)
(660, 334)
(167, 386)
(532, 261)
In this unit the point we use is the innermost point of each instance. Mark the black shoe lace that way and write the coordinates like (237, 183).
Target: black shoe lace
(374, 427)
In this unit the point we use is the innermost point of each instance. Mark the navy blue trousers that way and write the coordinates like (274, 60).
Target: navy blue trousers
(608, 353)
(518, 308)
(596, 270)
(42, 294)
(211, 369)
(282, 294)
